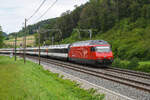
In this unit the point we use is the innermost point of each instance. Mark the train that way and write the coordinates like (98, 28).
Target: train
(91, 52)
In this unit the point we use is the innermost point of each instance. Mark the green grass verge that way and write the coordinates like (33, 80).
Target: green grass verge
(144, 62)
(19, 81)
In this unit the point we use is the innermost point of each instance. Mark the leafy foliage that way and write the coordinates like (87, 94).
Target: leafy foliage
(144, 68)
(1, 38)
(134, 64)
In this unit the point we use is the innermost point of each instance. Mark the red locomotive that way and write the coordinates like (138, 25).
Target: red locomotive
(91, 52)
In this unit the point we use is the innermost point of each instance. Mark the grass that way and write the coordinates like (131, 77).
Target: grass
(144, 62)
(30, 41)
(30, 81)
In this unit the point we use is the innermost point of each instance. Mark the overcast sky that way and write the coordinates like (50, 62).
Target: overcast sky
(13, 12)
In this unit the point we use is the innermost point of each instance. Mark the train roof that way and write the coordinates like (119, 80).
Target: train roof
(6, 49)
(62, 46)
(58, 46)
(90, 42)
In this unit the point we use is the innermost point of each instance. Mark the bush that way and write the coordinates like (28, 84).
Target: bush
(116, 62)
(133, 63)
(144, 68)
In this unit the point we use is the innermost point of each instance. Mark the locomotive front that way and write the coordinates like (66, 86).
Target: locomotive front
(93, 52)
(103, 54)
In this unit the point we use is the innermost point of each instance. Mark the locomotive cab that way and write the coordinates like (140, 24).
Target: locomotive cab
(93, 52)
(103, 54)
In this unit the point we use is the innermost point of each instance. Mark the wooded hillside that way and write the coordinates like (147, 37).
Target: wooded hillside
(123, 23)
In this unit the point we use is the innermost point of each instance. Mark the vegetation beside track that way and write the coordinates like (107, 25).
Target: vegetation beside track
(30, 81)
(1, 37)
(134, 64)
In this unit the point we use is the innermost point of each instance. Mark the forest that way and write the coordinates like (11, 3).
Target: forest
(125, 24)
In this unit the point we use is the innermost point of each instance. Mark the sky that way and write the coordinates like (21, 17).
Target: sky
(14, 12)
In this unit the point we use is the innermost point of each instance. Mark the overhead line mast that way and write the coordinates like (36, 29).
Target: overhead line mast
(24, 50)
(37, 19)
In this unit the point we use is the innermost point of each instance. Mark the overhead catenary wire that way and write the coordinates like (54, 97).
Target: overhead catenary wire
(47, 10)
(37, 10)
(38, 19)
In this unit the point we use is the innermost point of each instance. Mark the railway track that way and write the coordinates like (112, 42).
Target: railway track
(129, 72)
(105, 74)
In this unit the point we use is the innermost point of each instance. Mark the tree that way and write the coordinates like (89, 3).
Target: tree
(1, 37)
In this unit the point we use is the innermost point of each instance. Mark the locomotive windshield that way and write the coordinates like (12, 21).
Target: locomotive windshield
(102, 49)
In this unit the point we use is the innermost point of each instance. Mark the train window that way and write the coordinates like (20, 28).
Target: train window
(102, 49)
(58, 50)
(30, 50)
(43, 50)
(92, 49)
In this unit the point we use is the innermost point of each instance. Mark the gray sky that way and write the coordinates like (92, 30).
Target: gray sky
(13, 12)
